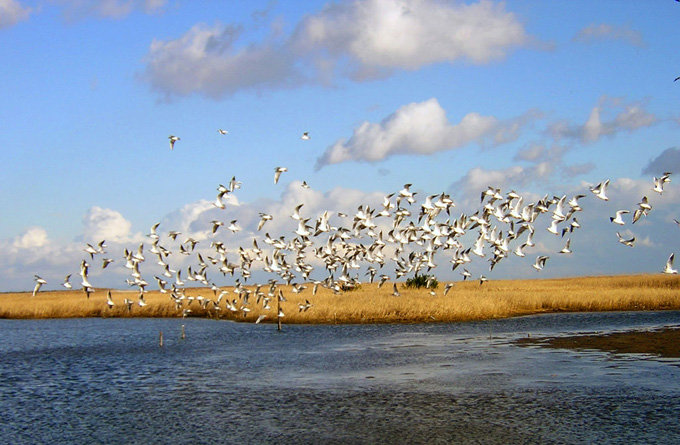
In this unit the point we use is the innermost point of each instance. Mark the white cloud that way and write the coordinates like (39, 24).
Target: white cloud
(113, 9)
(610, 117)
(360, 39)
(11, 13)
(208, 61)
(417, 128)
(593, 33)
(409, 34)
(32, 238)
(105, 224)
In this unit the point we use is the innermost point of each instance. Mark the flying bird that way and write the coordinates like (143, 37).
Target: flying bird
(669, 265)
(305, 136)
(38, 284)
(173, 139)
(222, 132)
(277, 173)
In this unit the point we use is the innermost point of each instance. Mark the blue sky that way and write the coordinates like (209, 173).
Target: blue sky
(543, 97)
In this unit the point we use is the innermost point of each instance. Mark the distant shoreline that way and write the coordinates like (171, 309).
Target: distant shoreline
(465, 301)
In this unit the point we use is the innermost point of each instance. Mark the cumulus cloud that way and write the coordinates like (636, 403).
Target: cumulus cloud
(207, 60)
(105, 224)
(409, 34)
(113, 9)
(667, 161)
(11, 13)
(417, 128)
(599, 32)
(33, 237)
(361, 40)
(610, 117)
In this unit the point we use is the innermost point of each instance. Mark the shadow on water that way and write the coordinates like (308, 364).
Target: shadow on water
(108, 381)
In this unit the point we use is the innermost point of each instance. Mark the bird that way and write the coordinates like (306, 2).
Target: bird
(566, 249)
(109, 301)
(600, 190)
(447, 288)
(66, 282)
(540, 262)
(669, 265)
(305, 136)
(260, 318)
(38, 283)
(618, 218)
(264, 217)
(630, 242)
(222, 132)
(173, 139)
(277, 173)
(395, 291)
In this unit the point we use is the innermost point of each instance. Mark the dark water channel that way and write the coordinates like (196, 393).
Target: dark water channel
(108, 381)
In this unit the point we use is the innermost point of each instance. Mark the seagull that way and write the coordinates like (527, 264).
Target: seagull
(264, 217)
(305, 136)
(540, 262)
(109, 301)
(447, 288)
(222, 132)
(566, 249)
(626, 242)
(38, 284)
(618, 219)
(465, 274)
(173, 139)
(260, 318)
(669, 265)
(600, 190)
(66, 283)
(395, 291)
(277, 173)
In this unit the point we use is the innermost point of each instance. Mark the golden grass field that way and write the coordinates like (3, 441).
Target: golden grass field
(368, 304)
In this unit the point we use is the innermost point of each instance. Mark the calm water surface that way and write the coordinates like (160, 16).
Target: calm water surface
(108, 381)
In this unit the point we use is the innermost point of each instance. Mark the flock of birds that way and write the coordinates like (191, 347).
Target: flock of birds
(402, 235)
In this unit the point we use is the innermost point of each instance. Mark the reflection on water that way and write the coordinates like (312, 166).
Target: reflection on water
(108, 381)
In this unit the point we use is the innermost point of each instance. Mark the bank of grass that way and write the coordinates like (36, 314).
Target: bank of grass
(465, 301)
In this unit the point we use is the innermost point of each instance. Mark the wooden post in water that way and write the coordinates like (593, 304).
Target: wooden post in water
(160, 339)
(183, 336)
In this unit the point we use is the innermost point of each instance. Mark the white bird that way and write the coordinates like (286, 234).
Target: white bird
(260, 318)
(222, 132)
(618, 219)
(305, 136)
(264, 217)
(566, 249)
(540, 262)
(109, 301)
(448, 287)
(626, 242)
(38, 284)
(669, 265)
(600, 190)
(66, 282)
(277, 173)
(395, 291)
(173, 139)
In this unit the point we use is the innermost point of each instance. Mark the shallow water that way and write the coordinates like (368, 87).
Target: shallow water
(108, 381)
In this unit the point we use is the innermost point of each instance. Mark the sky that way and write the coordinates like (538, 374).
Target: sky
(540, 97)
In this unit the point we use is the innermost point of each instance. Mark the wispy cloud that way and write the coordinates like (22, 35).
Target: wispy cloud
(603, 31)
(11, 13)
(420, 128)
(609, 117)
(359, 40)
(114, 9)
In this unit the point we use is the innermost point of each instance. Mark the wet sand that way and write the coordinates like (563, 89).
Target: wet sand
(663, 343)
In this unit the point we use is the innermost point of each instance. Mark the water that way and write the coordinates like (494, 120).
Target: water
(108, 381)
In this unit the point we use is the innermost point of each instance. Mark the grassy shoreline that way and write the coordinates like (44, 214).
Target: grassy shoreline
(466, 301)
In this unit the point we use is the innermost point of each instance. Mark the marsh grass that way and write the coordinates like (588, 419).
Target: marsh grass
(465, 301)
